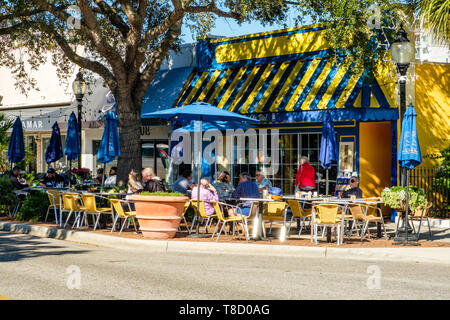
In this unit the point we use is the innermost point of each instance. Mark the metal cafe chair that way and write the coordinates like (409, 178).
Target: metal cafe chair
(90, 208)
(18, 194)
(127, 216)
(326, 215)
(202, 214)
(55, 203)
(365, 219)
(298, 213)
(218, 208)
(274, 211)
(420, 214)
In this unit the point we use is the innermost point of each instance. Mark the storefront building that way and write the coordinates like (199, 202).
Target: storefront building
(288, 80)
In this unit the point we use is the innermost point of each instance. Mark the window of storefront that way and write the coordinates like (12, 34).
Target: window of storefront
(292, 147)
(159, 161)
(98, 164)
(30, 144)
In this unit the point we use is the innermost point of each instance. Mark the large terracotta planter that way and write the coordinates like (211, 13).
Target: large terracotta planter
(159, 216)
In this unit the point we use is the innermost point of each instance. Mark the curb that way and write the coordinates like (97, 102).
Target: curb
(431, 255)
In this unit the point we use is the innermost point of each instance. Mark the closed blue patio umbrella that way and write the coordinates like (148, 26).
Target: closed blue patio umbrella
(328, 145)
(409, 155)
(200, 111)
(72, 149)
(16, 147)
(54, 150)
(109, 146)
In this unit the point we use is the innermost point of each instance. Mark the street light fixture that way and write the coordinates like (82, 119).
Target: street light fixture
(79, 87)
(402, 53)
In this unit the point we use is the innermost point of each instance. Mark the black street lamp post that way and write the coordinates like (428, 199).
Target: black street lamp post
(402, 53)
(79, 89)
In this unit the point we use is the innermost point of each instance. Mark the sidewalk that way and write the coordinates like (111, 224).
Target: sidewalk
(374, 249)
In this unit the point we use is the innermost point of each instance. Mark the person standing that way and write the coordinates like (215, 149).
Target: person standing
(304, 180)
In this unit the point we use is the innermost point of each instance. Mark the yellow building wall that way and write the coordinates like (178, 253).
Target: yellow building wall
(433, 110)
(374, 157)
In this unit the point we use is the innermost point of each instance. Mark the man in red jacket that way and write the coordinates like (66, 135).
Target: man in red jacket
(306, 174)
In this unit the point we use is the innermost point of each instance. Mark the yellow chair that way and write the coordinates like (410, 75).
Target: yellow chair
(55, 203)
(418, 215)
(121, 214)
(185, 209)
(90, 207)
(224, 220)
(274, 211)
(326, 215)
(70, 206)
(358, 216)
(298, 213)
(202, 214)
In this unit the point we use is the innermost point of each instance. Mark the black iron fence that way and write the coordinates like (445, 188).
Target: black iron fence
(435, 182)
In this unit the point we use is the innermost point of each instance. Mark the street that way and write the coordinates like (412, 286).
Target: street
(36, 268)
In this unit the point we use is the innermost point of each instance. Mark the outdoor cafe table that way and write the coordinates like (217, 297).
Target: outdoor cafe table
(258, 223)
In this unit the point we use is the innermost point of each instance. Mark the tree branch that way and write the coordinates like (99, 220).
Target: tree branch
(113, 17)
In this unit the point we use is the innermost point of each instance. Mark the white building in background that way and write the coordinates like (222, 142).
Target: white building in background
(54, 101)
(430, 50)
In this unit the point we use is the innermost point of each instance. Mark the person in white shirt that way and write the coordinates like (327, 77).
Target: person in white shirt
(112, 179)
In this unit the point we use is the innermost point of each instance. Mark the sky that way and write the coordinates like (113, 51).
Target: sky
(230, 28)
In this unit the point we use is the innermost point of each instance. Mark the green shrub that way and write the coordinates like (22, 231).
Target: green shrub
(7, 199)
(162, 194)
(34, 208)
(394, 196)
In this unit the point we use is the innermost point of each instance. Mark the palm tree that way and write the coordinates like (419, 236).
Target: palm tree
(435, 16)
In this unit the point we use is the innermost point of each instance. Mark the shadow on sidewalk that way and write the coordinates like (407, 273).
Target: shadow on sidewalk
(16, 248)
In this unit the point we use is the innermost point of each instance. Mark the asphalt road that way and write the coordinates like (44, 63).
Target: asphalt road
(35, 268)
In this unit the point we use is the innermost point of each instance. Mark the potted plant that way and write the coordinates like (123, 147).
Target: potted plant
(395, 197)
(159, 213)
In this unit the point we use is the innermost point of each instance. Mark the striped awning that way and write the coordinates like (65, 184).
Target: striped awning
(256, 83)
(288, 86)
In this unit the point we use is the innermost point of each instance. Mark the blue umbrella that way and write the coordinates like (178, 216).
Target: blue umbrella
(72, 148)
(16, 148)
(328, 145)
(110, 145)
(54, 150)
(200, 111)
(409, 155)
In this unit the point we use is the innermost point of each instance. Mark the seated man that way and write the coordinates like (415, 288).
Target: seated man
(16, 181)
(51, 179)
(245, 189)
(353, 191)
(69, 178)
(262, 182)
(151, 183)
(183, 183)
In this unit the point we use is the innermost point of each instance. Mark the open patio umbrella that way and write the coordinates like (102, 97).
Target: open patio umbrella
(72, 149)
(109, 146)
(328, 145)
(54, 150)
(409, 155)
(200, 111)
(16, 147)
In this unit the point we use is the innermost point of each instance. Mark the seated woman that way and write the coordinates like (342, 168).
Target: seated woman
(223, 185)
(134, 187)
(207, 193)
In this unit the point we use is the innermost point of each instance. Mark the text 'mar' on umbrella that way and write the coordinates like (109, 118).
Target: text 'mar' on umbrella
(16, 147)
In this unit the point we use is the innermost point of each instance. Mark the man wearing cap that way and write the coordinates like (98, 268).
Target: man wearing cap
(51, 179)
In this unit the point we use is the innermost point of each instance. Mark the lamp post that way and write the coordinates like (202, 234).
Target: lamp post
(402, 53)
(79, 89)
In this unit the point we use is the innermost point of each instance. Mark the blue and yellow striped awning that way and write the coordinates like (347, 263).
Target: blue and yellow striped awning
(248, 82)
